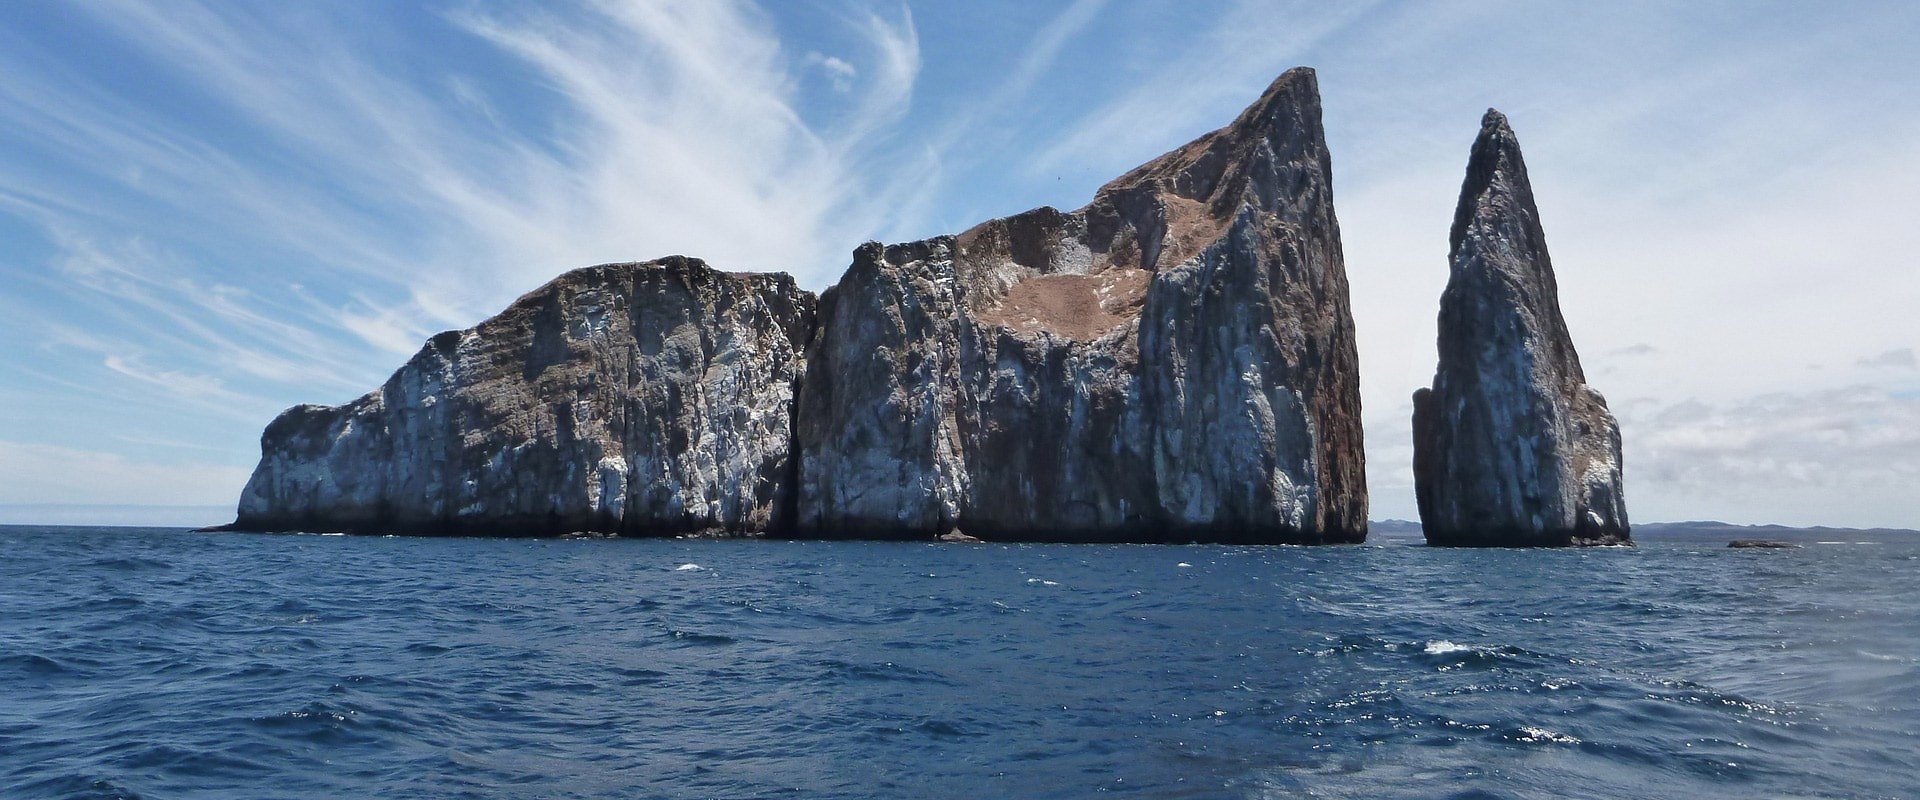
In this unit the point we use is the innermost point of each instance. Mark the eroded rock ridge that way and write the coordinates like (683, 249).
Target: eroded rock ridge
(1511, 446)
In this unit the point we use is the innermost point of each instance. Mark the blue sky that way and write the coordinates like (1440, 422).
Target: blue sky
(209, 212)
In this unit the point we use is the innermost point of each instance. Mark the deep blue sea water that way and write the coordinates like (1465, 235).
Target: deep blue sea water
(160, 663)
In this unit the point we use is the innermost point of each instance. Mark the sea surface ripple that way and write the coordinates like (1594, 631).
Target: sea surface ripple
(161, 663)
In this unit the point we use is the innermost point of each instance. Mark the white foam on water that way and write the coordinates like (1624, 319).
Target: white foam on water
(689, 568)
(1183, 564)
(1533, 734)
(1440, 647)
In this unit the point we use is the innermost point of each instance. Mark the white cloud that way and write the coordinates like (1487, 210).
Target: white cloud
(42, 473)
(1847, 456)
(839, 73)
(1898, 358)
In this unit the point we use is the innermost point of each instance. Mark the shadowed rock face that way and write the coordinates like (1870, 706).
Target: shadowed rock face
(1511, 447)
(1175, 361)
(648, 398)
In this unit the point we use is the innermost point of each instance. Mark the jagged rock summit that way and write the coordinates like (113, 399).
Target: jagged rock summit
(1510, 445)
(1173, 362)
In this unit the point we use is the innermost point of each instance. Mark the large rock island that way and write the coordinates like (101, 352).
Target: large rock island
(1173, 362)
(1511, 447)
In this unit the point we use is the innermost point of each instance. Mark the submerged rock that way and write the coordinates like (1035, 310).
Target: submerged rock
(1511, 447)
(648, 398)
(1173, 362)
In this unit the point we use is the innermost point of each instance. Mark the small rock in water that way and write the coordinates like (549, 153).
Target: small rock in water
(1763, 544)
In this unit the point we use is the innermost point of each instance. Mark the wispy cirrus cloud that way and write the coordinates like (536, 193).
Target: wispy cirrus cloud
(351, 209)
(249, 207)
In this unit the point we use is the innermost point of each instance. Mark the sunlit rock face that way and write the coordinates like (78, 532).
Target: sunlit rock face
(1173, 362)
(651, 398)
(1511, 447)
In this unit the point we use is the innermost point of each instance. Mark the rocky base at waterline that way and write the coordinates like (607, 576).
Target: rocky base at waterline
(1173, 362)
(1511, 447)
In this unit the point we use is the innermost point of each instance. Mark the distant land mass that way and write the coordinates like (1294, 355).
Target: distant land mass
(1699, 530)
(1709, 529)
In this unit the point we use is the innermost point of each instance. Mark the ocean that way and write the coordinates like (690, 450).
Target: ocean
(161, 663)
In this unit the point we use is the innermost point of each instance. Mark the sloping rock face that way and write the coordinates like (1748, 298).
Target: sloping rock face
(651, 398)
(1511, 447)
(1173, 362)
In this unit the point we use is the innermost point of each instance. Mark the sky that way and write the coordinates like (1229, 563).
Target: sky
(212, 211)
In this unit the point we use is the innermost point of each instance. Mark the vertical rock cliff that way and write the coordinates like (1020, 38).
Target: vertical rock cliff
(1175, 361)
(1511, 447)
(626, 398)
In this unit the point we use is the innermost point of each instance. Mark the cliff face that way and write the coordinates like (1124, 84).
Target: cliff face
(626, 398)
(1174, 361)
(1511, 447)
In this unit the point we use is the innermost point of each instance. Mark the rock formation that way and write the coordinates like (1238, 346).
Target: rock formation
(650, 398)
(1511, 447)
(1173, 362)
